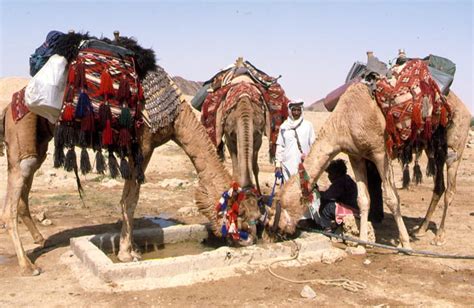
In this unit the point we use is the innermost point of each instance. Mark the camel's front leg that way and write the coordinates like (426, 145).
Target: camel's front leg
(130, 195)
(363, 200)
(391, 197)
(24, 212)
(256, 170)
(16, 184)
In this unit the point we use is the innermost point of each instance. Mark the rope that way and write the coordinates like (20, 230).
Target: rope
(278, 175)
(350, 285)
(399, 249)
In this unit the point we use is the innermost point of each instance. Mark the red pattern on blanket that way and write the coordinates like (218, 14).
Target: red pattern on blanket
(19, 108)
(413, 106)
(274, 97)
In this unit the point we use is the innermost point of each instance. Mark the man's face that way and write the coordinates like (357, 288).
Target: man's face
(296, 112)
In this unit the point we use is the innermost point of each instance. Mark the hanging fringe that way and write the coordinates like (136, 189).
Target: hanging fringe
(104, 114)
(431, 167)
(427, 132)
(389, 145)
(68, 113)
(125, 119)
(417, 173)
(70, 163)
(88, 122)
(69, 135)
(85, 162)
(416, 116)
(123, 93)
(124, 138)
(138, 162)
(106, 84)
(443, 117)
(113, 165)
(107, 134)
(125, 169)
(83, 106)
(406, 176)
(82, 139)
(69, 94)
(58, 157)
(390, 123)
(71, 75)
(99, 162)
(80, 76)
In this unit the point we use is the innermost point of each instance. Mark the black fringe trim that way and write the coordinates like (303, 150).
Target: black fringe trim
(70, 163)
(113, 165)
(99, 162)
(406, 177)
(430, 168)
(68, 45)
(417, 174)
(59, 157)
(138, 162)
(85, 162)
(125, 169)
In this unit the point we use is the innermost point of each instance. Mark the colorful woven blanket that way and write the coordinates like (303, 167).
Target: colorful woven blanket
(274, 97)
(101, 108)
(412, 104)
(19, 108)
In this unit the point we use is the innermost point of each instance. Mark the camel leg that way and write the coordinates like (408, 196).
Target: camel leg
(256, 170)
(391, 197)
(17, 181)
(233, 157)
(421, 231)
(129, 201)
(448, 198)
(363, 200)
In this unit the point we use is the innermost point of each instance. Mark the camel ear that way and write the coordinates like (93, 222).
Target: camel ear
(219, 124)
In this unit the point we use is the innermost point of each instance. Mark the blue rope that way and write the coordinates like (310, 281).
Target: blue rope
(278, 175)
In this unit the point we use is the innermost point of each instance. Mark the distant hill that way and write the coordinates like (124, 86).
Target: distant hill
(188, 87)
(317, 106)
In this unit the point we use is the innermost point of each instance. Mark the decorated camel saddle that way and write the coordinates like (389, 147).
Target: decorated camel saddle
(102, 103)
(223, 91)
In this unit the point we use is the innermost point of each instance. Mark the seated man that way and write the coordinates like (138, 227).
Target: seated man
(340, 197)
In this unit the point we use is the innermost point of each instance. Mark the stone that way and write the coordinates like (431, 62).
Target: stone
(40, 216)
(332, 256)
(188, 211)
(47, 222)
(307, 292)
(358, 250)
(367, 262)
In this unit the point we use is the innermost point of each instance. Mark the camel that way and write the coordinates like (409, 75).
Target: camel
(356, 127)
(185, 130)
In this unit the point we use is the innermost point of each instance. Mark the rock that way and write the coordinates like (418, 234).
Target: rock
(174, 183)
(332, 256)
(367, 262)
(358, 250)
(307, 292)
(47, 222)
(40, 216)
(471, 141)
(471, 133)
(110, 183)
(470, 146)
(188, 211)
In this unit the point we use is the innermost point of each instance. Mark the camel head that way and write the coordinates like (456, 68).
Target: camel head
(243, 124)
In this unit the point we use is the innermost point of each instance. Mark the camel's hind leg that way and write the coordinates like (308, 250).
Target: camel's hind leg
(363, 199)
(391, 197)
(130, 195)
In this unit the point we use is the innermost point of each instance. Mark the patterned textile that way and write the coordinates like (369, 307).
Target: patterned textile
(94, 62)
(343, 210)
(19, 108)
(274, 97)
(162, 98)
(412, 104)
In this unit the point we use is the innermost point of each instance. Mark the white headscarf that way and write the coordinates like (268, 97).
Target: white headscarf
(292, 123)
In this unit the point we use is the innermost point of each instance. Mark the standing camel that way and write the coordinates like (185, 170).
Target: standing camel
(185, 130)
(357, 127)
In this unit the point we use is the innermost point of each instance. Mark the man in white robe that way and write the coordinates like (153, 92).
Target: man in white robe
(288, 154)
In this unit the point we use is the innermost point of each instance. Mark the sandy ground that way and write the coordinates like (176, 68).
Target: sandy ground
(392, 279)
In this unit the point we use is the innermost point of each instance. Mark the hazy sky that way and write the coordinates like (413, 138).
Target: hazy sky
(312, 44)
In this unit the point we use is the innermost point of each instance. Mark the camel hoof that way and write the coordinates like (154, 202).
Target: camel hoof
(129, 256)
(419, 233)
(40, 242)
(31, 271)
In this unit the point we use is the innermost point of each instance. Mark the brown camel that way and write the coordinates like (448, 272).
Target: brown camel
(243, 127)
(356, 127)
(186, 131)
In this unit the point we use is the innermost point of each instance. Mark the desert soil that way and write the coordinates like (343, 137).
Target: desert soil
(391, 279)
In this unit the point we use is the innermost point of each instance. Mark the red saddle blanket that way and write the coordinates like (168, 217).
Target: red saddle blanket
(19, 108)
(274, 97)
(412, 104)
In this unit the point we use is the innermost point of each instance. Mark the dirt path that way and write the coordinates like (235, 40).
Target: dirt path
(392, 279)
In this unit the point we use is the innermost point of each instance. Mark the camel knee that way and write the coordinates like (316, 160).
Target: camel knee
(28, 166)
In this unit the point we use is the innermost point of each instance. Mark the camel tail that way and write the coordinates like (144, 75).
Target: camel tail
(2, 132)
(374, 183)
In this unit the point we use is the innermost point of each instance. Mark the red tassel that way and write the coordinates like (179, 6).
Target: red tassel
(107, 134)
(427, 131)
(123, 93)
(443, 116)
(69, 93)
(87, 122)
(68, 113)
(106, 84)
(389, 144)
(80, 76)
(140, 92)
(71, 76)
(416, 116)
(124, 137)
(390, 123)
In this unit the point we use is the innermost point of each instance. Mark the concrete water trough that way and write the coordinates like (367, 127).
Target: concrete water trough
(211, 265)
